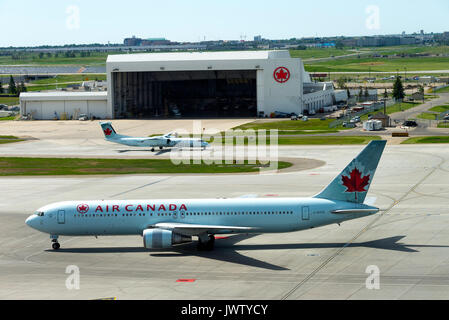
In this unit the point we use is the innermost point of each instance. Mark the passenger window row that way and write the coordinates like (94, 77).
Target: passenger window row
(187, 214)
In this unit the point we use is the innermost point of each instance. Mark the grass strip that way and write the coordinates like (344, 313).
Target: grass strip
(419, 140)
(73, 166)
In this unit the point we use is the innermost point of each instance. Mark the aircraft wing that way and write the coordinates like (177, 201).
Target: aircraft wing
(196, 229)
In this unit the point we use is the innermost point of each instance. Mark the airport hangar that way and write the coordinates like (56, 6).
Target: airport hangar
(192, 85)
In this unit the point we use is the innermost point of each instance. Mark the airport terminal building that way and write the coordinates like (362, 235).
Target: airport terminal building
(203, 85)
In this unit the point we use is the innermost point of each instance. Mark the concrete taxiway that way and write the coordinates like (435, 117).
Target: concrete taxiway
(408, 241)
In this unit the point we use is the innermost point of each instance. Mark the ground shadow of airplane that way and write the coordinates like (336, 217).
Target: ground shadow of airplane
(148, 151)
(163, 151)
(227, 249)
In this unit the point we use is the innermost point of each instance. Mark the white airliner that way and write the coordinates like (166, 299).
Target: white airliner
(164, 223)
(166, 141)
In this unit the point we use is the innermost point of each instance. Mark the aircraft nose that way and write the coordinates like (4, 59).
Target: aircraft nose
(31, 221)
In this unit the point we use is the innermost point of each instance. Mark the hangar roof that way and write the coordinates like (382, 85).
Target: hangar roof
(63, 95)
(200, 56)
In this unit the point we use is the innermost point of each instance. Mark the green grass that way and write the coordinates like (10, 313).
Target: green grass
(9, 101)
(440, 109)
(9, 139)
(312, 53)
(8, 118)
(284, 125)
(417, 140)
(70, 78)
(443, 124)
(327, 140)
(319, 140)
(397, 107)
(427, 116)
(443, 90)
(56, 166)
(379, 64)
(406, 49)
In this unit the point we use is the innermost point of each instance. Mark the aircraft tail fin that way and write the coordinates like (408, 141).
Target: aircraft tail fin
(353, 183)
(108, 130)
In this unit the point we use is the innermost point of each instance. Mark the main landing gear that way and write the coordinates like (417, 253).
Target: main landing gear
(55, 244)
(206, 242)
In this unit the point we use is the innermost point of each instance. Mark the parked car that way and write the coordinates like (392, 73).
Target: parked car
(410, 123)
(83, 117)
(355, 119)
(296, 117)
(348, 125)
(446, 117)
(3, 106)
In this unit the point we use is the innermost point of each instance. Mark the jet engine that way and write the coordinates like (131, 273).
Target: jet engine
(161, 239)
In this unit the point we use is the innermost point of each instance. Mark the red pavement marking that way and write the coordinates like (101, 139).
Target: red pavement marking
(271, 195)
(186, 280)
(221, 238)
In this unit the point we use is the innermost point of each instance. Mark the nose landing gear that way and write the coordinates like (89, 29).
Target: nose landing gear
(55, 244)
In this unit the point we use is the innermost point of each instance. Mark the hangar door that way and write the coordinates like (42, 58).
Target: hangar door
(176, 94)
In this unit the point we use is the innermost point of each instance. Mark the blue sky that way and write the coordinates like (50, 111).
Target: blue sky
(46, 22)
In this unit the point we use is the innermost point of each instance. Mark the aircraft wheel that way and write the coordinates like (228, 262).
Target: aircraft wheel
(152, 150)
(161, 148)
(55, 245)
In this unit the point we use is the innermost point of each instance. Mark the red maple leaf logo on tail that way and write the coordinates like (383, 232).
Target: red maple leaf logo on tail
(108, 132)
(355, 183)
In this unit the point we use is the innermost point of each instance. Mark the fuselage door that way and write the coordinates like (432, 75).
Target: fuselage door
(305, 213)
(61, 216)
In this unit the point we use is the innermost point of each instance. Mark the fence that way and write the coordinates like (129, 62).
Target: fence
(376, 106)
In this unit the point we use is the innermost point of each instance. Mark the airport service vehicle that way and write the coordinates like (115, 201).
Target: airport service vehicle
(166, 141)
(372, 125)
(164, 223)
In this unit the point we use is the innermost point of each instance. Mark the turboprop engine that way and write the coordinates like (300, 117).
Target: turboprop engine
(161, 239)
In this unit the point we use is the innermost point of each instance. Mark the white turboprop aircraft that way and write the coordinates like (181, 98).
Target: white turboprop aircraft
(166, 141)
(164, 223)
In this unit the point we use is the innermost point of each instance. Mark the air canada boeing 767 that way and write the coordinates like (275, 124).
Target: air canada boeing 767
(164, 223)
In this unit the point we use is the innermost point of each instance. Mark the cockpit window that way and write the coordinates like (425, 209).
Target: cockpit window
(39, 214)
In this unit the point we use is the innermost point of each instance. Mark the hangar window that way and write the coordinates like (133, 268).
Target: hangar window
(174, 94)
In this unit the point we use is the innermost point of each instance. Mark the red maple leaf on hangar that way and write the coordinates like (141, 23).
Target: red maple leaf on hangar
(355, 182)
(282, 75)
(108, 132)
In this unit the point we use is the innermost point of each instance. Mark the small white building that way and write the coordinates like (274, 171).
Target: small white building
(64, 105)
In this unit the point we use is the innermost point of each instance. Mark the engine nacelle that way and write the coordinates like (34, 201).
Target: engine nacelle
(161, 239)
